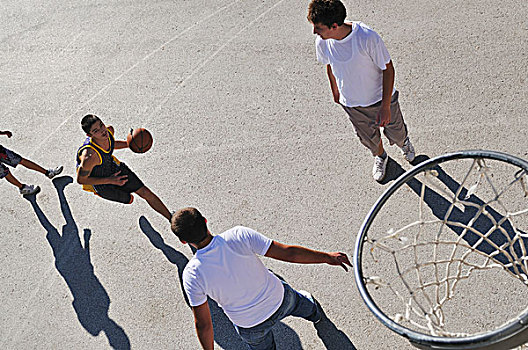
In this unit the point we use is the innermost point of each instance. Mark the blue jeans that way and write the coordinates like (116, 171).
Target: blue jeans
(260, 337)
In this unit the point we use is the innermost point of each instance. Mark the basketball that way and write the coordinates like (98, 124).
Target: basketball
(139, 140)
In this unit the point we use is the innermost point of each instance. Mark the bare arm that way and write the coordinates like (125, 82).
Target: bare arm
(302, 255)
(384, 115)
(89, 159)
(119, 144)
(333, 84)
(204, 325)
(7, 133)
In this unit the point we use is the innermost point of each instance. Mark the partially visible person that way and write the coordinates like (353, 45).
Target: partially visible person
(361, 76)
(100, 172)
(13, 159)
(227, 269)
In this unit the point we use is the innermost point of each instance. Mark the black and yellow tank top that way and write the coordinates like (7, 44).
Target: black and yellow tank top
(108, 164)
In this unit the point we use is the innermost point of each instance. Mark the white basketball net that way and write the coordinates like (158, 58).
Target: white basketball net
(433, 255)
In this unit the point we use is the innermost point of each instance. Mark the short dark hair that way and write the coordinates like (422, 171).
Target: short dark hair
(189, 225)
(327, 12)
(87, 122)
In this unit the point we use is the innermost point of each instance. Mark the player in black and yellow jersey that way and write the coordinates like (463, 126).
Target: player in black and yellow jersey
(99, 171)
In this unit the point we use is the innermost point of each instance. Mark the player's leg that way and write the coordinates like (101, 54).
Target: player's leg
(154, 201)
(12, 159)
(365, 127)
(134, 184)
(24, 189)
(52, 172)
(364, 121)
(31, 165)
(299, 304)
(302, 304)
(381, 150)
(11, 179)
(396, 130)
(259, 337)
(113, 193)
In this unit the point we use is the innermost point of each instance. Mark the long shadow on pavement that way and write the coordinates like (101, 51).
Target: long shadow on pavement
(332, 337)
(440, 206)
(225, 334)
(90, 300)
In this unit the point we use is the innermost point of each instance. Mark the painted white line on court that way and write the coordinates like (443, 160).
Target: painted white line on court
(206, 62)
(72, 41)
(39, 146)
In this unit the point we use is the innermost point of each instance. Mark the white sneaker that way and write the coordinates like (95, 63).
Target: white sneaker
(408, 150)
(380, 164)
(51, 173)
(29, 190)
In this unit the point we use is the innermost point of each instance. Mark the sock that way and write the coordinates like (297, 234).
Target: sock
(384, 155)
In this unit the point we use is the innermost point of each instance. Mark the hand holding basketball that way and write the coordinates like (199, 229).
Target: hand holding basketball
(139, 140)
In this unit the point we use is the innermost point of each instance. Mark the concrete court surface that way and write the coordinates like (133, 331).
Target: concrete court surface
(244, 128)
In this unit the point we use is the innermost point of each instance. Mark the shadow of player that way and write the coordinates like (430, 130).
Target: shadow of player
(225, 334)
(394, 170)
(90, 300)
(330, 335)
(174, 256)
(468, 216)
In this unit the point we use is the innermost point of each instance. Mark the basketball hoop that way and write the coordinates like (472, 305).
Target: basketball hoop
(451, 273)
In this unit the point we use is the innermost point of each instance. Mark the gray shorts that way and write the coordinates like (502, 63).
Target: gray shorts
(364, 121)
(8, 157)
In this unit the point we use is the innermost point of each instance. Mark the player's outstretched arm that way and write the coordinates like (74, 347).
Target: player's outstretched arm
(7, 133)
(119, 144)
(302, 255)
(204, 325)
(89, 159)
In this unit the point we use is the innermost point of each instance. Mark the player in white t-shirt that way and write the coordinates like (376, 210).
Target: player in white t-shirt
(226, 268)
(361, 76)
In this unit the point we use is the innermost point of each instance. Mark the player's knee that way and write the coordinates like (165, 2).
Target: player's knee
(144, 192)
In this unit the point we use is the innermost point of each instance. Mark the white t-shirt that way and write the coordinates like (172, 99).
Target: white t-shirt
(357, 61)
(229, 271)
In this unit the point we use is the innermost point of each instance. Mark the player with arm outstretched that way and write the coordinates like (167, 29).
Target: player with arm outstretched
(13, 159)
(226, 268)
(100, 172)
